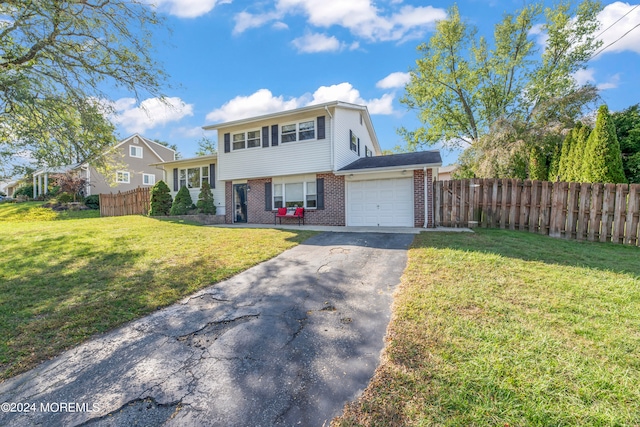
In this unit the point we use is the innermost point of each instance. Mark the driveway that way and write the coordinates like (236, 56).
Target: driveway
(285, 343)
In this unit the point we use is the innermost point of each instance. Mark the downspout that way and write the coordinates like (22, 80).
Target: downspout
(332, 135)
(426, 200)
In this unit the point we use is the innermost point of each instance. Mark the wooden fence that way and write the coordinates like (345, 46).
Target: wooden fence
(133, 202)
(595, 212)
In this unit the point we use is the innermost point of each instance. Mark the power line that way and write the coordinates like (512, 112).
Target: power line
(619, 19)
(613, 42)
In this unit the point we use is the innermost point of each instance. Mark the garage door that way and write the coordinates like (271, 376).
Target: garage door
(382, 202)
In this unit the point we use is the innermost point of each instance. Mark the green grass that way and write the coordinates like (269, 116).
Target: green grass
(63, 281)
(503, 328)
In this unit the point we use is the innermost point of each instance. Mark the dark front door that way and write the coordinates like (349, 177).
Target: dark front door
(240, 202)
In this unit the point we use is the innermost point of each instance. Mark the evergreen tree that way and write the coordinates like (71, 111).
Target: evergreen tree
(563, 168)
(627, 124)
(603, 159)
(205, 200)
(580, 140)
(554, 167)
(182, 203)
(537, 165)
(160, 199)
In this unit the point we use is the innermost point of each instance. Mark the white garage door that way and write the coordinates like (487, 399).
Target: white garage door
(382, 202)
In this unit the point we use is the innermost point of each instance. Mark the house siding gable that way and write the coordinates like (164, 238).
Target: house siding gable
(346, 122)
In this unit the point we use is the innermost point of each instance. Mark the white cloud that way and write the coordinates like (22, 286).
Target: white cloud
(608, 16)
(361, 17)
(394, 81)
(588, 76)
(315, 42)
(264, 102)
(149, 114)
(187, 8)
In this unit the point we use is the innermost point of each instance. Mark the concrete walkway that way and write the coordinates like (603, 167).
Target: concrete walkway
(285, 343)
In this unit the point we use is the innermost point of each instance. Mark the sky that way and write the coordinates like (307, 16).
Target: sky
(231, 59)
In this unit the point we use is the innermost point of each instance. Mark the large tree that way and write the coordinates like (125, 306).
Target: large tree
(58, 59)
(627, 124)
(466, 89)
(602, 160)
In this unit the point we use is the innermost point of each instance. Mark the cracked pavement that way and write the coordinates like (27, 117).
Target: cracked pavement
(285, 343)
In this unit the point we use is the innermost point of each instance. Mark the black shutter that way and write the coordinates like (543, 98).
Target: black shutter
(321, 134)
(350, 138)
(175, 179)
(358, 147)
(274, 135)
(212, 175)
(267, 196)
(320, 193)
(265, 137)
(227, 142)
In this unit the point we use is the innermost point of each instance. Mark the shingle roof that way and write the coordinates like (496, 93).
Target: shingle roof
(396, 160)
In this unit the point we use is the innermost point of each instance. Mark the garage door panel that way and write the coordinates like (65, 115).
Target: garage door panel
(384, 203)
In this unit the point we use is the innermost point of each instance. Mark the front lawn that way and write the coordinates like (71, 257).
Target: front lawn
(502, 328)
(63, 281)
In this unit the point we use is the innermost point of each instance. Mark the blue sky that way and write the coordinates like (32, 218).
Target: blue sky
(233, 59)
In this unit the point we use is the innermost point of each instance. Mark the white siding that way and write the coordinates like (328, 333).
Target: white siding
(346, 120)
(290, 158)
(218, 192)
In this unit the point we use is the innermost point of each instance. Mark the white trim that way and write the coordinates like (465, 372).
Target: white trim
(152, 180)
(133, 151)
(385, 169)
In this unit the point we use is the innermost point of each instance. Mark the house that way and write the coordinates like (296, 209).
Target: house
(9, 187)
(446, 173)
(325, 158)
(134, 156)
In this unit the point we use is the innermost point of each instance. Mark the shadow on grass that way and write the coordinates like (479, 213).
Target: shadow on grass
(534, 247)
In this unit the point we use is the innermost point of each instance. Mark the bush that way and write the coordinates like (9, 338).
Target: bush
(65, 198)
(205, 200)
(160, 199)
(26, 190)
(92, 201)
(182, 203)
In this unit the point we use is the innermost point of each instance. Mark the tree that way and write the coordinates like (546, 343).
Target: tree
(603, 159)
(70, 183)
(565, 153)
(627, 123)
(205, 200)
(578, 153)
(182, 202)
(160, 199)
(206, 146)
(57, 58)
(465, 90)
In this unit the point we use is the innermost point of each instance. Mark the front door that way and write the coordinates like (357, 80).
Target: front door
(240, 202)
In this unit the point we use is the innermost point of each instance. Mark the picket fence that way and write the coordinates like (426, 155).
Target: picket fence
(580, 211)
(133, 202)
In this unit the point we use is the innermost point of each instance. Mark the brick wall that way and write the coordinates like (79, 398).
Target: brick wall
(418, 203)
(228, 202)
(418, 198)
(332, 214)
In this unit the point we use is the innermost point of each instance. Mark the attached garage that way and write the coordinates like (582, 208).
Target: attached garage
(380, 203)
(390, 191)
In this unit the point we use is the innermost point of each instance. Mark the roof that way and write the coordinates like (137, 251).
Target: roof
(395, 161)
(57, 169)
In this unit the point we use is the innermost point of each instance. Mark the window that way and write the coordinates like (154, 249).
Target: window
(194, 177)
(307, 130)
(295, 194)
(123, 177)
(238, 141)
(253, 139)
(368, 152)
(148, 179)
(289, 133)
(135, 151)
(302, 131)
(244, 140)
(354, 142)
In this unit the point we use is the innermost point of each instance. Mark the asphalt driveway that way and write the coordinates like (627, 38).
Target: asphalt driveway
(285, 343)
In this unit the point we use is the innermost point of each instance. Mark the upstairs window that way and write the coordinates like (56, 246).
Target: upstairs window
(302, 131)
(368, 152)
(244, 140)
(135, 151)
(354, 143)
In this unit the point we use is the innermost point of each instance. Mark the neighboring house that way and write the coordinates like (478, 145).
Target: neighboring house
(325, 158)
(135, 154)
(446, 173)
(9, 187)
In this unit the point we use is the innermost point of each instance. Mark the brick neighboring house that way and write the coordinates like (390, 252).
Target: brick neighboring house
(325, 158)
(135, 154)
